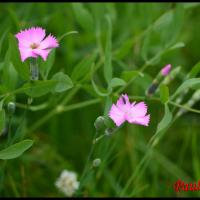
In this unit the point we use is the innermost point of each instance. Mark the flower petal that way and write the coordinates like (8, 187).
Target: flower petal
(26, 53)
(138, 110)
(37, 34)
(49, 42)
(123, 103)
(42, 53)
(24, 38)
(123, 100)
(116, 115)
(140, 120)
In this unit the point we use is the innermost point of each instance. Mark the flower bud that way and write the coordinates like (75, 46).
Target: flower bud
(165, 70)
(99, 123)
(96, 162)
(152, 88)
(109, 131)
(172, 75)
(11, 108)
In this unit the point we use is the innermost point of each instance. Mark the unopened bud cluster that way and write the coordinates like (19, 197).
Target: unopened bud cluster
(156, 82)
(102, 124)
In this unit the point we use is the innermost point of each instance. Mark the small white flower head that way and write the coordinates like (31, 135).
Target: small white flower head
(67, 183)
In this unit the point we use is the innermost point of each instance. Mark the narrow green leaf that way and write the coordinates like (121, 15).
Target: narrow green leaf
(83, 16)
(193, 83)
(108, 53)
(164, 93)
(165, 120)
(108, 104)
(64, 82)
(83, 67)
(97, 90)
(177, 46)
(2, 120)
(3, 38)
(145, 46)
(66, 34)
(194, 71)
(45, 66)
(124, 49)
(16, 150)
(128, 75)
(162, 126)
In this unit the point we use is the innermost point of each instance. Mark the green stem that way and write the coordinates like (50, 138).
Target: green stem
(87, 167)
(184, 107)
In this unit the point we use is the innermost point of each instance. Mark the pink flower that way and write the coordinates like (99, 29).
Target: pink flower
(131, 112)
(31, 43)
(165, 70)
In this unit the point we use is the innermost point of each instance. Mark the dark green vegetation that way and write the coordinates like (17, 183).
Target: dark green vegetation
(130, 41)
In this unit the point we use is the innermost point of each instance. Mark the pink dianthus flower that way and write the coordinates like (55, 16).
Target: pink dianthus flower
(32, 43)
(131, 112)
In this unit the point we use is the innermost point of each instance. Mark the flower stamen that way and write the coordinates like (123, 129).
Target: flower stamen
(34, 46)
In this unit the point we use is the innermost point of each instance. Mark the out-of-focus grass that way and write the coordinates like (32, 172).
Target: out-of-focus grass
(65, 139)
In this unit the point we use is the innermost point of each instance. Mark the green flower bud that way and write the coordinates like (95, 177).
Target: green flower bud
(99, 123)
(96, 162)
(109, 131)
(11, 108)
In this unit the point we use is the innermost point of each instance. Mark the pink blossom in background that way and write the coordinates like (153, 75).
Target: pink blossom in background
(165, 70)
(32, 43)
(127, 111)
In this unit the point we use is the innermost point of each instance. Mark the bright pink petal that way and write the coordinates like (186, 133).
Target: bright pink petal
(42, 53)
(123, 103)
(24, 38)
(37, 34)
(123, 100)
(30, 36)
(140, 120)
(116, 115)
(26, 53)
(138, 110)
(49, 42)
(165, 70)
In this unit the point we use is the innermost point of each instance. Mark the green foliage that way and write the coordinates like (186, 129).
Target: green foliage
(64, 82)
(164, 93)
(120, 48)
(2, 119)
(15, 150)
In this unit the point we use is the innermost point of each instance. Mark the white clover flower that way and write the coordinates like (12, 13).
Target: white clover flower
(67, 183)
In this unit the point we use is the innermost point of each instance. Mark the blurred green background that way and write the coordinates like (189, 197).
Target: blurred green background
(140, 32)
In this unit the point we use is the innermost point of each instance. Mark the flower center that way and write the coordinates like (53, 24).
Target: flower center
(34, 46)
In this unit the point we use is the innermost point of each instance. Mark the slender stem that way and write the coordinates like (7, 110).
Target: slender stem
(87, 167)
(9, 130)
(34, 70)
(184, 107)
(70, 95)
(99, 138)
(80, 105)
